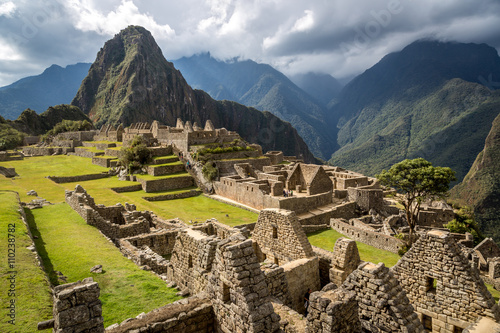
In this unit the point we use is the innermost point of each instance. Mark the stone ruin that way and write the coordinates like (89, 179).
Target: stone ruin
(447, 292)
(241, 284)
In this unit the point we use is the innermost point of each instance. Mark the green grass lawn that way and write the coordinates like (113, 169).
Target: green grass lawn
(33, 298)
(33, 171)
(67, 244)
(326, 240)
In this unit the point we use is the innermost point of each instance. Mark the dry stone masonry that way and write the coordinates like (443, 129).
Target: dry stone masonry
(447, 292)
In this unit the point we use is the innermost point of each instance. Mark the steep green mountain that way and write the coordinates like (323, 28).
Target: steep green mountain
(130, 81)
(31, 123)
(431, 100)
(262, 87)
(322, 87)
(480, 188)
(56, 85)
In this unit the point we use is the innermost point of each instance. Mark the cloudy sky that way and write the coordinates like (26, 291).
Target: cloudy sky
(339, 37)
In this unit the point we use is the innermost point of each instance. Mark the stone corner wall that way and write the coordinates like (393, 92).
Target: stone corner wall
(77, 307)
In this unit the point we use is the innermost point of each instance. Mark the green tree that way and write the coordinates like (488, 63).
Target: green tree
(463, 222)
(135, 155)
(417, 180)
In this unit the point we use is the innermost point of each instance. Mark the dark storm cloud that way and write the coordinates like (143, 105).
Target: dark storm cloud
(337, 37)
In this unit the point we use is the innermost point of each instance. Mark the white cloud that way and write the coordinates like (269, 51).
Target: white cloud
(304, 23)
(7, 9)
(88, 18)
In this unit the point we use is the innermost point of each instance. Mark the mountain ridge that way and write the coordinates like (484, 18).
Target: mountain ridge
(131, 81)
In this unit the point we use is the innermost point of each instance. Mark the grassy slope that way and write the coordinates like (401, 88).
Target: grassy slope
(33, 294)
(126, 290)
(326, 240)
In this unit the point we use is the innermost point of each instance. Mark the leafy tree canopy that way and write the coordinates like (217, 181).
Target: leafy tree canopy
(417, 180)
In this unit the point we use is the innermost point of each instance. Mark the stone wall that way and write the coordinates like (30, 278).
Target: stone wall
(82, 152)
(226, 168)
(165, 184)
(131, 188)
(85, 206)
(301, 275)
(161, 241)
(325, 264)
(333, 311)
(378, 240)
(77, 307)
(165, 169)
(182, 195)
(304, 204)
(190, 315)
(345, 261)
(346, 210)
(238, 290)
(81, 178)
(192, 259)
(46, 151)
(366, 198)
(280, 236)
(382, 303)
(445, 289)
(277, 283)
(105, 162)
(144, 256)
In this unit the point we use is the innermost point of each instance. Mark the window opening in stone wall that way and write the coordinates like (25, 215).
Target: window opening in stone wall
(226, 296)
(275, 232)
(430, 284)
(427, 322)
(152, 242)
(190, 261)
(457, 329)
(276, 261)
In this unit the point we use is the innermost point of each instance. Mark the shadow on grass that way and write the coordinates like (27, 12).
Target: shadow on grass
(40, 248)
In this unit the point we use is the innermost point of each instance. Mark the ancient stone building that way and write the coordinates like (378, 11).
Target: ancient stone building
(309, 178)
(238, 290)
(280, 239)
(382, 302)
(446, 291)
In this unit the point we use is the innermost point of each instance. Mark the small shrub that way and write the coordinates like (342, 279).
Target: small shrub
(209, 171)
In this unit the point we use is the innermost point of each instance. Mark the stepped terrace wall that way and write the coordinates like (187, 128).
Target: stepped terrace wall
(304, 204)
(226, 167)
(46, 151)
(375, 239)
(81, 178)
(163, 184)
(165, 169)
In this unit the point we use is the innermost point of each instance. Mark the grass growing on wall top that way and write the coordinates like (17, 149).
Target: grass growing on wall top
(326, 240)
(33, 298)
(67, 244)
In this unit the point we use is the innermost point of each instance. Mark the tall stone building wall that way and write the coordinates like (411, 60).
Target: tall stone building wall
(301, 275)
(445, 289)
(280, 236)
(382, 302)
(238, 289)
(192, 259)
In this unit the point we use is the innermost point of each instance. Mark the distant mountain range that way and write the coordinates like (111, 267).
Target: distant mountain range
(263, 87)
(131, 81)
(56, 85)
(430, 100)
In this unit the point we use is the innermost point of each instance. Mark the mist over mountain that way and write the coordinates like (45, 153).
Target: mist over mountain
(56, 85)
(432, 99)
(324, 88)
(263, 87)
(131, 81)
